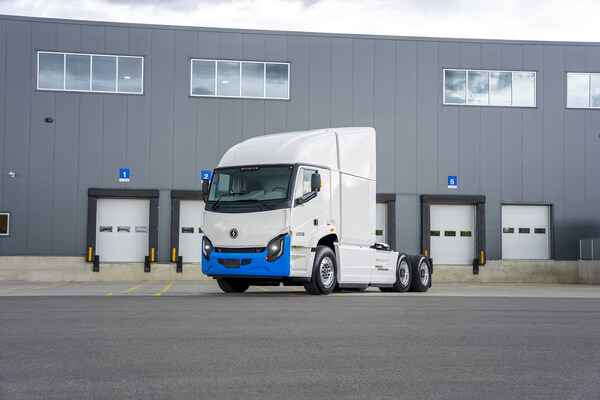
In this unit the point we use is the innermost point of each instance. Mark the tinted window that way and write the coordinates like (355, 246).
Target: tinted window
(78, 72)
(523, 89)
(130, 74)
(104, 73)
(277, 81)
(228, 78)
(478, 87)
(4, 224)
(51, 71)
(253, 79)
(203, 77)
(455, 86)
(500, 88)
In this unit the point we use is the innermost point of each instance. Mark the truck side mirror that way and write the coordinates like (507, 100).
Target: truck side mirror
(205, 183)
(315, 182)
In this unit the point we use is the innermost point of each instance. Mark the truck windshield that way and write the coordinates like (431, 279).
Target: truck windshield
(250, 184)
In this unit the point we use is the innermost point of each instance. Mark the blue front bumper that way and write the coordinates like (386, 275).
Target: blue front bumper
(248, 264)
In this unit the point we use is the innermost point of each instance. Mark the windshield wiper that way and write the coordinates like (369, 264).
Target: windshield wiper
(220, 197)
(262, 202)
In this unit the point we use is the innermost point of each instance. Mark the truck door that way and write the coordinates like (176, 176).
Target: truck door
(308, 214)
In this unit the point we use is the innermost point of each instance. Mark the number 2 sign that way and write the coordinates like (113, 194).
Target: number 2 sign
(205, 175)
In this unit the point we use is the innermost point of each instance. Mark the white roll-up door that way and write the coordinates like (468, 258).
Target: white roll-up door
(526, 232)
(122, 229)
(452, 233)
(190, 234)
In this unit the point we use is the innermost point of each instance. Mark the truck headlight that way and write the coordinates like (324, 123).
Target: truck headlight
(275, 248)
(207, 247)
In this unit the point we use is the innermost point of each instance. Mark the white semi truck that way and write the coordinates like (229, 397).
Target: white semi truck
(299, 209)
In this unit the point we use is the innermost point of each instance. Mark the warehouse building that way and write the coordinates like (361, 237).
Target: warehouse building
(488, 152)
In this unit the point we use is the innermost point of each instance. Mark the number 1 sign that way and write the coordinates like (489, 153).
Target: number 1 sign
(124, 175)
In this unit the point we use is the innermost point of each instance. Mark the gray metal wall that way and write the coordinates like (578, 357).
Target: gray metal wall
(547, 154)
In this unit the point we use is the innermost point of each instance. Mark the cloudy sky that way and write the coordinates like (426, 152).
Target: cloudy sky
(558, 20)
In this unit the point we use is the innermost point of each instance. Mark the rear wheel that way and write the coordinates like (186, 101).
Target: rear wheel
(421, 273)
(232, 285)
(323, 277)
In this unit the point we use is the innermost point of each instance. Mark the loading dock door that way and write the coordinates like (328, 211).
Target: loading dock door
(122, 227)
(525, 232)
(381, 223)
(452, 233)
(190, 234)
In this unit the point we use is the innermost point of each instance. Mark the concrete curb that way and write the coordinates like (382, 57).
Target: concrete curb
(501, 271)
(76, 269)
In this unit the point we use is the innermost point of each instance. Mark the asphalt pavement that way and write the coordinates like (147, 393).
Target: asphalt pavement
(185, 340)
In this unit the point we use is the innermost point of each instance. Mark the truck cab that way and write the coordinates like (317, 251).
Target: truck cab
(299, 209)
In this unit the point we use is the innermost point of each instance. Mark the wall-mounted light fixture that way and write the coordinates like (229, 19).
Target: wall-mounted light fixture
(12, 174)
(48, 120)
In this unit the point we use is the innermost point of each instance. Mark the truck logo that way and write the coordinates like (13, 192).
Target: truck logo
(233, 233)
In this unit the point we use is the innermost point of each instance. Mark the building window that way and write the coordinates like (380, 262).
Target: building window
(4, 224)
(90, 73)
(247, 79)
(583, 90)
(489, 88)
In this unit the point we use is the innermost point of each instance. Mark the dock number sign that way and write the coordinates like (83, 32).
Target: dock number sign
(124, 175)
(452, 182)
(205, 175)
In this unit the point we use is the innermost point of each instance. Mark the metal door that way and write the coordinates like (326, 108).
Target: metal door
(190, 234)
(122, 229)
(526, 232)
(452, 233)
(381, 212)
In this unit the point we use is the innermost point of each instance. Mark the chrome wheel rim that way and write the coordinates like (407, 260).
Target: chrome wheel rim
(403, 273)
(424, 273)
(326, 272)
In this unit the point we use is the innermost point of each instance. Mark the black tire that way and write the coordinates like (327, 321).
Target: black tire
(323, 278)
(404, 274)
(232, 285)
(421, 273)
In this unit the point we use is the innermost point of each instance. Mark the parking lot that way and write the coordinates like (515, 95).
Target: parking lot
(183, 288)
(156, 340)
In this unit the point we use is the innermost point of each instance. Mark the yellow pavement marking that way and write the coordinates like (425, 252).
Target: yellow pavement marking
(133, 288)
(37, 288)
(292, 288)
(261, 288)
(165, 289)
(337, 294)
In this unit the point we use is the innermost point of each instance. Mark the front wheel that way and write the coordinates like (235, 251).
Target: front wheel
(232, 285)
(421, 271)
(323, 278)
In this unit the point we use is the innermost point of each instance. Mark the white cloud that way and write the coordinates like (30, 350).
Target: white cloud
(507, 19)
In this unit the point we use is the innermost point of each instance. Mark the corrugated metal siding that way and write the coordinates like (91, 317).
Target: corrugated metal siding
(546, 154)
